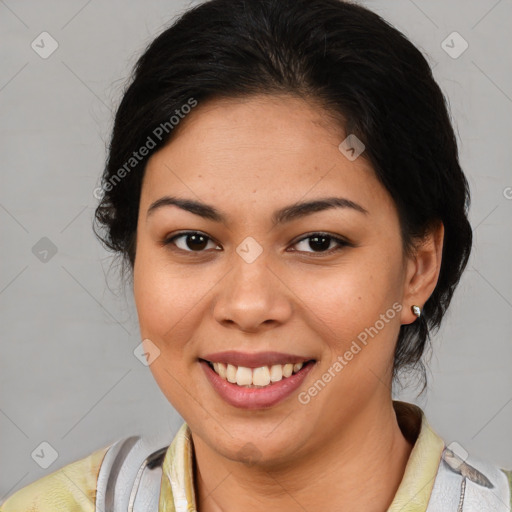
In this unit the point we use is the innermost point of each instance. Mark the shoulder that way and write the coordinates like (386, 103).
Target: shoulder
(508, 474)
(470, 482)
(71, 488)
(124, 473)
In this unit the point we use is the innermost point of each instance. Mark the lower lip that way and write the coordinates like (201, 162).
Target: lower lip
(256, 398)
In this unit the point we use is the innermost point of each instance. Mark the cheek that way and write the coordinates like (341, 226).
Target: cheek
(167, 306)
(163, 294)
(352, 296)
(359, 302)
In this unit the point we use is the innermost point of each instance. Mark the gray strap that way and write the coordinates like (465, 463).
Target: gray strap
(146, 490)
(130, 475)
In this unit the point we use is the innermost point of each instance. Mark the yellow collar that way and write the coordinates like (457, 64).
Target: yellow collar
(416, 486)
(177, 487)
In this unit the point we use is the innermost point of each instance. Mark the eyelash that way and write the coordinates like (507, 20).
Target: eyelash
(341, 243)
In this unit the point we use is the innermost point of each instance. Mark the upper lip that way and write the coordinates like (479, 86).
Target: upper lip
(254, 360)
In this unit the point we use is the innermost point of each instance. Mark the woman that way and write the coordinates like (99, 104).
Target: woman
(284, 187)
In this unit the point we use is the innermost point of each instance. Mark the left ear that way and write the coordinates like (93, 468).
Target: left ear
(422, 271)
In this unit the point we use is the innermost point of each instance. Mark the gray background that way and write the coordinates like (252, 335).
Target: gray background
(68, 329)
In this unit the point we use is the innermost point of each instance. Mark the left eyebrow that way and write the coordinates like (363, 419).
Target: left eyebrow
(281, 216)
(298, 210)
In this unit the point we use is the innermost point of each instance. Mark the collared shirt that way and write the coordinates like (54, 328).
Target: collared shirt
(73, 487)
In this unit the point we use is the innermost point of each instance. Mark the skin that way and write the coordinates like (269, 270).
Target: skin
(249, 157)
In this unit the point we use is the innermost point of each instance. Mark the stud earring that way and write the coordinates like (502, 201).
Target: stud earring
(416, 310)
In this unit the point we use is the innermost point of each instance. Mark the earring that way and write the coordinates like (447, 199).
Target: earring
(416, 310)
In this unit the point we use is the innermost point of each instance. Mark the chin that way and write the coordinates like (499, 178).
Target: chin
(265, 447)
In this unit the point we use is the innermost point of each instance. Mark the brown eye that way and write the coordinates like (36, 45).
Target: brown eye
(190, 241)
(321, 243)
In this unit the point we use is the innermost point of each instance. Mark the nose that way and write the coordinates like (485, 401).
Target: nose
(252, 297)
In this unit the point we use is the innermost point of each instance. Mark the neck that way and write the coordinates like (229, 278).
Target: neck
(359, 470)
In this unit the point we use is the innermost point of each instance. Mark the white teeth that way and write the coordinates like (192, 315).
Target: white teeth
(261, 376)
(287, 369)
(276, 373)
(231, 373)
(221, 369)
(243, 376)
(256, 377)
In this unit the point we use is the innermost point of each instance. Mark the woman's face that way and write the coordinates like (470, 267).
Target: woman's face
(259, 286)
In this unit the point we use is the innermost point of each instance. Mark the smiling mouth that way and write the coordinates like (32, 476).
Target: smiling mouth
(261, 377)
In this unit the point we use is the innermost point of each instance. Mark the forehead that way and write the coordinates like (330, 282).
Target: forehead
(259, 150)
